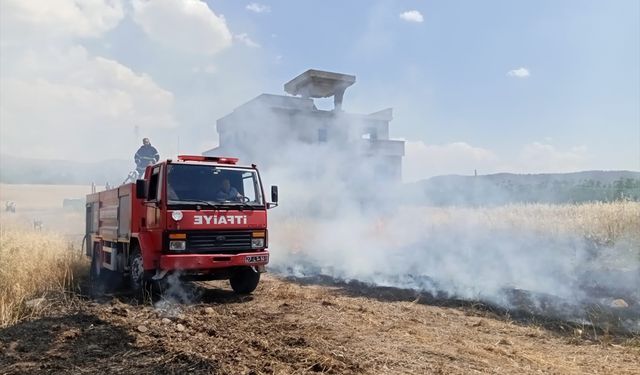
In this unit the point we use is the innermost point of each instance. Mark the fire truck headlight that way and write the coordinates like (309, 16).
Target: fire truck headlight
(257, 243)
(177, 245)
(176, 215)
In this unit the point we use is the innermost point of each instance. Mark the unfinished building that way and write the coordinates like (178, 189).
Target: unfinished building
(273, 129)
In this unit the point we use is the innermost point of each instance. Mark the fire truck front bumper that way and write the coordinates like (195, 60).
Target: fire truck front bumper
(172, 262)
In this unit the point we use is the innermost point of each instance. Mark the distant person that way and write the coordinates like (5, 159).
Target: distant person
(146, 155)
(37, 224)
(228, 192)
(10, 206)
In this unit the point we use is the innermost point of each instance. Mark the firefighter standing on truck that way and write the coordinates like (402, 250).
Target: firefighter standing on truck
(145, 155)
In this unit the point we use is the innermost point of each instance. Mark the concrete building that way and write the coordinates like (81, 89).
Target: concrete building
(270, 127)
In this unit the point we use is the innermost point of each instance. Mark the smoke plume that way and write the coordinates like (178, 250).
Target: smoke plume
(340, 216)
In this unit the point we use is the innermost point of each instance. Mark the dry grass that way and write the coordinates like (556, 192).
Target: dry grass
(606, 223)
(603, 223)
(34, 265)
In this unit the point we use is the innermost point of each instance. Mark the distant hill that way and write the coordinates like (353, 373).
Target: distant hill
(14, 170)
(502, 188)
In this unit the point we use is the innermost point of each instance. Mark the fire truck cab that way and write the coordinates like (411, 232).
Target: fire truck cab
(200, 217)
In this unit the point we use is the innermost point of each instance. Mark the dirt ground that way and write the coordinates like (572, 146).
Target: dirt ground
(291, 327)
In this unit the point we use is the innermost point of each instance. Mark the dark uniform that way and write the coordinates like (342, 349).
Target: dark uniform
(146, 154)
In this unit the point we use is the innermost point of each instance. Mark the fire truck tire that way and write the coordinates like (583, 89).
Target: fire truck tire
(138, 281)
(245, 280)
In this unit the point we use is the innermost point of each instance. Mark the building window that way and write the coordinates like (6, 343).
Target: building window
(322, 135)
(373, 134)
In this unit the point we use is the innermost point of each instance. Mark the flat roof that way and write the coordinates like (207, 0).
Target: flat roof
(319, 84)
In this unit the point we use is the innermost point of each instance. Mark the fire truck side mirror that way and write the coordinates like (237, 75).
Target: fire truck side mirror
(141, 189)
(274, 194)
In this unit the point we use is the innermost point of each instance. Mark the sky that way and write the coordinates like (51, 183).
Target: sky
(493, 86)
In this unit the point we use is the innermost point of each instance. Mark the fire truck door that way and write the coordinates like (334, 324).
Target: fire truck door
(153, 207)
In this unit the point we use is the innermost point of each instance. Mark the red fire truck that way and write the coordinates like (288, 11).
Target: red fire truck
(204, 218)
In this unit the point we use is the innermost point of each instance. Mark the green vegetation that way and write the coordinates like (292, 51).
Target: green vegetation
(499, 189)
(559, 191)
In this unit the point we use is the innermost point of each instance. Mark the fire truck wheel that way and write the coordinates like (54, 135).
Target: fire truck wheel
(138, 280)
(244, 280)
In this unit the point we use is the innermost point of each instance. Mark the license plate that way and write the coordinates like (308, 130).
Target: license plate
(256, 258)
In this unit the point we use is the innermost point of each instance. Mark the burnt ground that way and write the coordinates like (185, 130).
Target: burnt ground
(296, 327)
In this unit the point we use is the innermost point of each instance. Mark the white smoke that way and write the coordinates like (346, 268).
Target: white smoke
(467, 259)
(341, 217)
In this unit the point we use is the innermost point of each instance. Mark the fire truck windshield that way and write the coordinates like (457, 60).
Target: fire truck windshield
(213, 185)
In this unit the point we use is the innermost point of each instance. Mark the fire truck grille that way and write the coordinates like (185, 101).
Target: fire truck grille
(225, 242)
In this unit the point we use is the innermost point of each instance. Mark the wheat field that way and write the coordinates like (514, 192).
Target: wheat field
(604, 224)
(34, 263)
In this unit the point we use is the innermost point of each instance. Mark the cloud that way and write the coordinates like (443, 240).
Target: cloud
(58, 100)
(258, 8)
(423, 160)
(84, 102)
(187, 25)
(540, 157)
(244, 39)
(208, 69)
(65, 95)
(519, 73)
(412, 16)
(22, 21)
